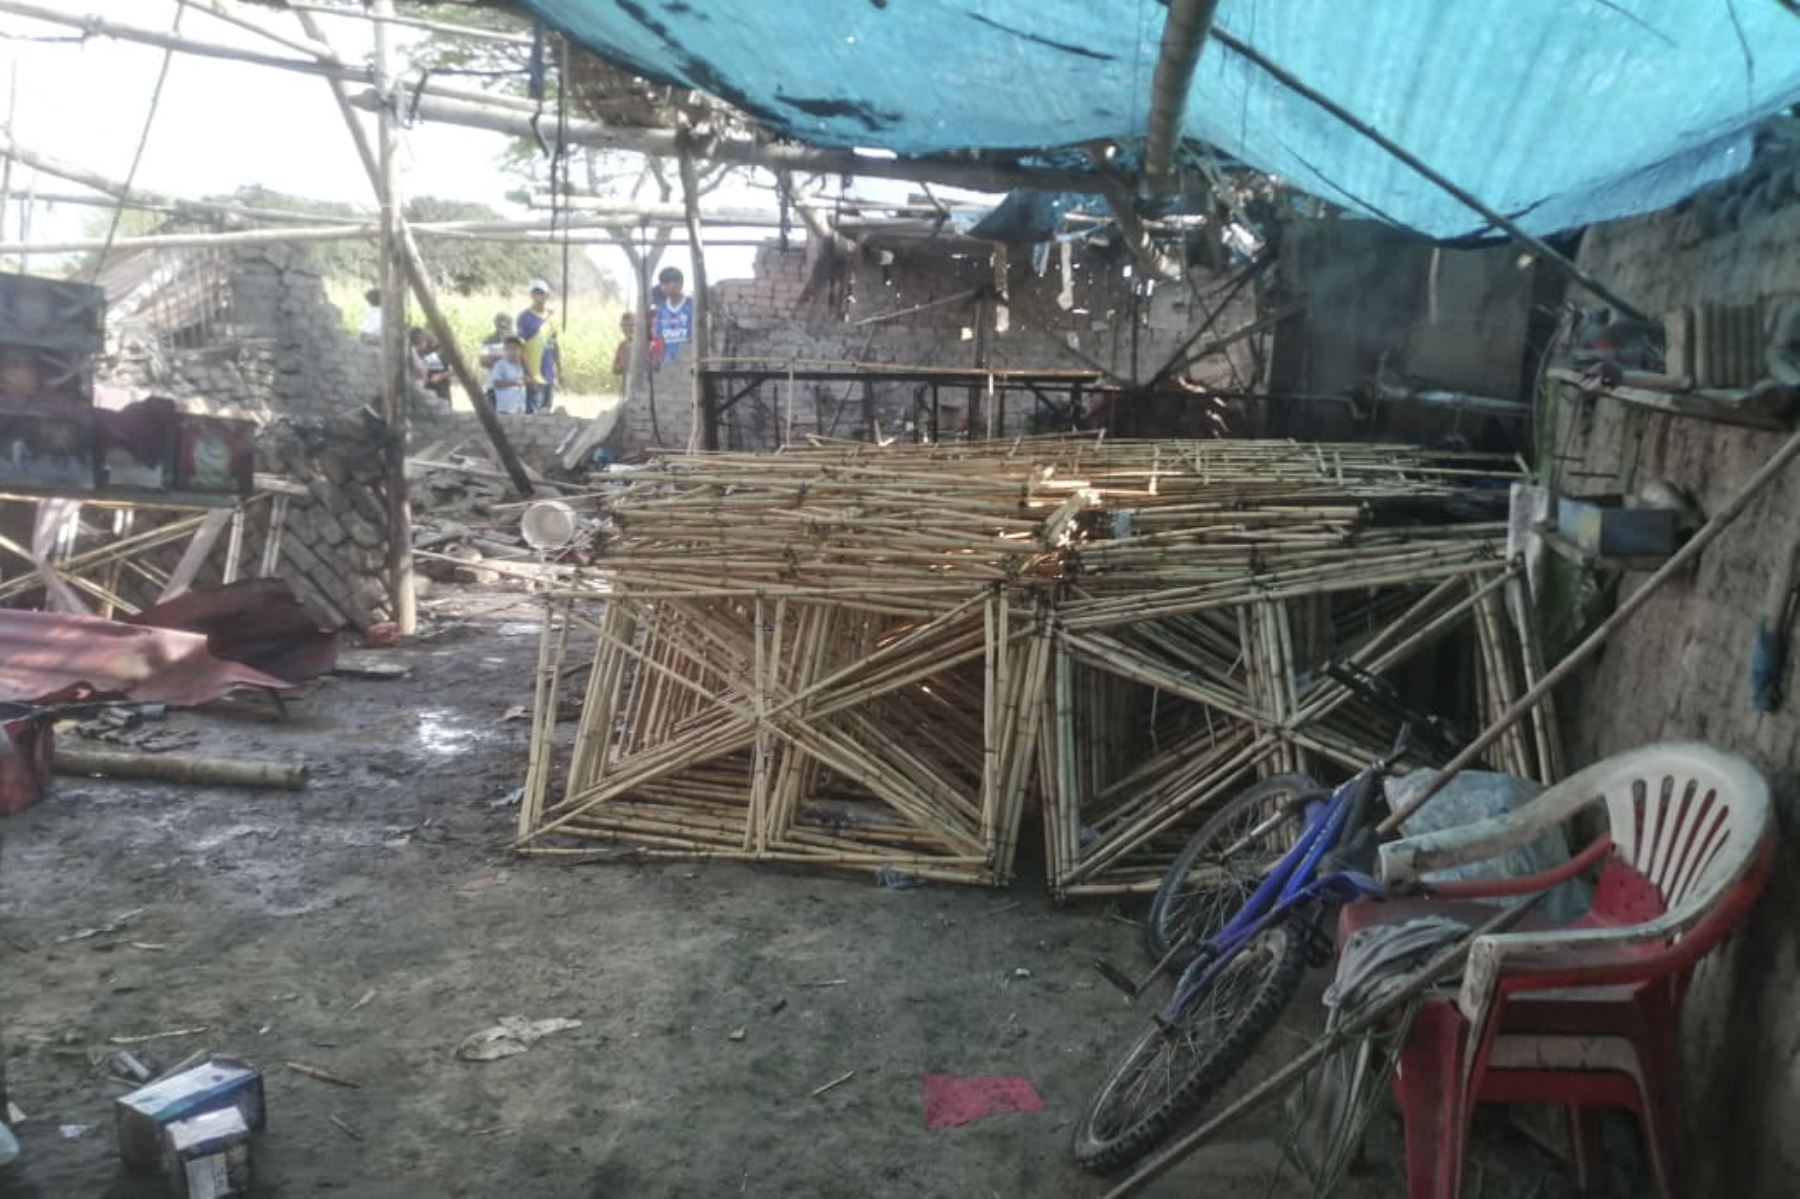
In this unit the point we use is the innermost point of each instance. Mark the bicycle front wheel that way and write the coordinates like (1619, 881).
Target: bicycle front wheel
(1174, 1068)
(1213, 875)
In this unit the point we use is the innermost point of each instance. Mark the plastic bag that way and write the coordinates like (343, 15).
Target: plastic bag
(1478, 795)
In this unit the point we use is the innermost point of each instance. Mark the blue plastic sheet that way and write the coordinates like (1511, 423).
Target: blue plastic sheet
(1556, 112)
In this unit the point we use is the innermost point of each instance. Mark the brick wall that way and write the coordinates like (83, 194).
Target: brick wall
(277, 347)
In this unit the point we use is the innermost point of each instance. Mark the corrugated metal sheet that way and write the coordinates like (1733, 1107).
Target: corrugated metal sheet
(1556, 112)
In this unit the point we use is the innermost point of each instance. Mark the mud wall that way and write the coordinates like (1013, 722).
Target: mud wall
(1681, 669)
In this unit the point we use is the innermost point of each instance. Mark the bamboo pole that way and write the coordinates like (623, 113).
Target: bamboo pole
(95, 26)
(394, 375)
(179, 768)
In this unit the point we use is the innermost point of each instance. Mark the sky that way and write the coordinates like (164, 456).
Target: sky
(220, 125)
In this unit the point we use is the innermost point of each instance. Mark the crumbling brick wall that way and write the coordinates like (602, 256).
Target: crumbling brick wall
(275, 347)
(335, 539)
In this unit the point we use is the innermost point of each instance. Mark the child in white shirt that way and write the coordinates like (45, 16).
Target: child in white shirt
(506, 378)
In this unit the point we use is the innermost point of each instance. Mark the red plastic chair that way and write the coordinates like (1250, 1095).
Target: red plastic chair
(1589, 1014)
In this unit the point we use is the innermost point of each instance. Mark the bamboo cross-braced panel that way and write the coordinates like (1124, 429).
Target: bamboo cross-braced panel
(864, 657)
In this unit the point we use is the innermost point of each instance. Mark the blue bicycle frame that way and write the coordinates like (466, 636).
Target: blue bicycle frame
(1292, 881)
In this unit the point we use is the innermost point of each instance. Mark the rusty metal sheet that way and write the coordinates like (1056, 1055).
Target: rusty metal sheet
(257, 622)
(48, 653)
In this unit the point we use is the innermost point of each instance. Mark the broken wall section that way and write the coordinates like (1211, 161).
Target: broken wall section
(915, 305)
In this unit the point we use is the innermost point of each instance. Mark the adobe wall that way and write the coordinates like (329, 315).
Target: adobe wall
(1681, 669)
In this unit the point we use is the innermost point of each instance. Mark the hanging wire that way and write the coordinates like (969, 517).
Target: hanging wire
(563, 192)
(137, 157)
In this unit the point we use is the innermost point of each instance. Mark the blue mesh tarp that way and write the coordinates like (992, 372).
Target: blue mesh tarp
(1556, 112)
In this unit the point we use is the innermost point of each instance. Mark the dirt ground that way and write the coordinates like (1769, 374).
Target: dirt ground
(368, 924)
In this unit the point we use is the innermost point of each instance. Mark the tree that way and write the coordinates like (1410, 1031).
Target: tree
(595, 89)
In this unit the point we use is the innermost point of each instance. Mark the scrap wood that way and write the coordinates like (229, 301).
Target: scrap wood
(344, 1127)
(157, 1036)
(322, 1075)
(845, 1077)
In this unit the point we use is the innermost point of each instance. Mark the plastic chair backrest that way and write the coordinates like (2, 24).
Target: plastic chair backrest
(1686, 816)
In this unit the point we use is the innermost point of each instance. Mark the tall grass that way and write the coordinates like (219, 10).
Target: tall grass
(586, 338)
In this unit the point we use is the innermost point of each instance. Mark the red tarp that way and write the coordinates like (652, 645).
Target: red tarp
(46, 653)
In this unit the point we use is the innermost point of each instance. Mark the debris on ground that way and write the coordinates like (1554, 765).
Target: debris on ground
(125, 724)
(218, 1084)
(952, 1100)
(181, 768)
(169, 1034)
(372, 667)
(845, 1077)
(207, 1156)
(323, 1075)
(111, 926)
(512, 1035)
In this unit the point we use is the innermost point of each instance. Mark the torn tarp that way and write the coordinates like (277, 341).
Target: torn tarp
(44, 654)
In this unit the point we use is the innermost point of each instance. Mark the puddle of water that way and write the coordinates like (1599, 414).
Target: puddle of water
(442, 731)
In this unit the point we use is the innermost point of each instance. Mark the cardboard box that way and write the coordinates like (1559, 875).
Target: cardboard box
(208, 1156)
(48, 449)
(215, 454)
(222, 1082)
(52, 314)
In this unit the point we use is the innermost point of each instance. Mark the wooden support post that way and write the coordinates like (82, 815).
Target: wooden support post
(413, 269)
(704, 435)
(426, 294)
(393, 347)
(271, 555)
(234, 546)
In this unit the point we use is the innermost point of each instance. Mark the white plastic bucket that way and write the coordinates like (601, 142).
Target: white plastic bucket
(548, 525)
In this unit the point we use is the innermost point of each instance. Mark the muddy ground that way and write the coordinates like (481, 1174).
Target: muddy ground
(368, 924)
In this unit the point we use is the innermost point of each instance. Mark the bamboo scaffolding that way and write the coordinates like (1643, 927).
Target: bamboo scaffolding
(863, 657)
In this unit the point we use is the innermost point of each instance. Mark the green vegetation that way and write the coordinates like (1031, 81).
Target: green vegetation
(588, 335)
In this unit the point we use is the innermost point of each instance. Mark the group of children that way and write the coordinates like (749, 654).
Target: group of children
(520, 357)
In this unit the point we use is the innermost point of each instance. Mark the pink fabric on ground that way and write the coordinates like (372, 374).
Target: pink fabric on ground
(952, 1099)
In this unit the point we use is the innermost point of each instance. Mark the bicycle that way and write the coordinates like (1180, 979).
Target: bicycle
(1245, 966)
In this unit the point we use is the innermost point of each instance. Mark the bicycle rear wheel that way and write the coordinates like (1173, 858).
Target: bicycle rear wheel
(1204, 887)
(1172, 1070)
